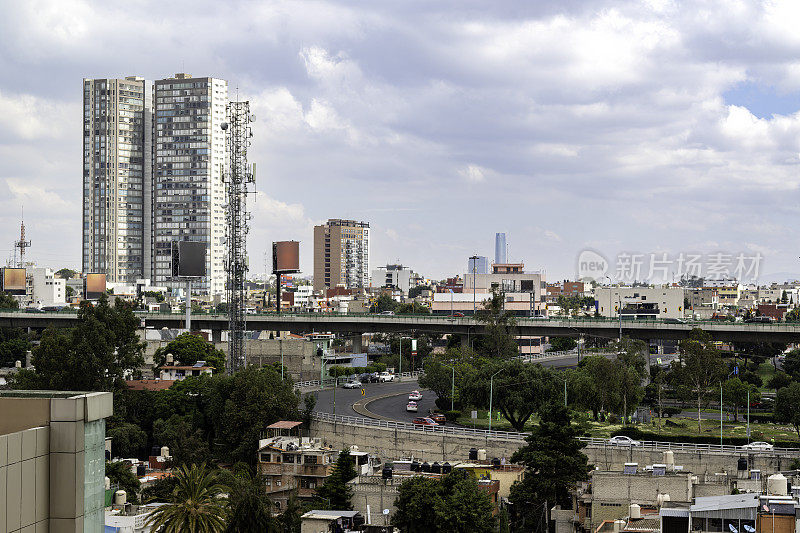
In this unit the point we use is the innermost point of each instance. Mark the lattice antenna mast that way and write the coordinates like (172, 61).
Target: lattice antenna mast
(238, 177)
(22, 244)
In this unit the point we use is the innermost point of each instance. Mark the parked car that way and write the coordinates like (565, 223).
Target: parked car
(388, 313)
(424, 421)
(674, 321)
(352, 384)
(758, 445)
(760, 320)
(385, 376)
(415, 395)
(439, 418)
(412, 407)
(622, 440)
(457, 315)
(369, 377)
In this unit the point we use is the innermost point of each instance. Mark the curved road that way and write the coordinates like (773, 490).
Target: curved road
(393, 407)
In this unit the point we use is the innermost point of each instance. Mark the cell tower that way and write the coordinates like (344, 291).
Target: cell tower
(237, 179)
(22, 244)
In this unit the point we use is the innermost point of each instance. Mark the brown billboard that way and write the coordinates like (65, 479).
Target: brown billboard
(94, 285)
(14, 280)
(286, 256)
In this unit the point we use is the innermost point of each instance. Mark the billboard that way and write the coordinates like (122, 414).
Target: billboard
(94, 285)
(189, 259)
(286, 256)
(14, 280)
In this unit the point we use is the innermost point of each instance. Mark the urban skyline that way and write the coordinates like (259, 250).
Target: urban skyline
(668, 144)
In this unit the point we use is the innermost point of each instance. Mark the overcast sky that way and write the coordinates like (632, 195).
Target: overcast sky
(652, 126)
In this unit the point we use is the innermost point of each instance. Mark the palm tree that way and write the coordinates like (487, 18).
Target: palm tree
(197, 504)
(249, 506)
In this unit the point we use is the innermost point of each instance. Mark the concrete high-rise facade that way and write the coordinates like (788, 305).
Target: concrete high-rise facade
(478, 264)
(341, 254)
(117, 170)
(500, 248)
(189, 167)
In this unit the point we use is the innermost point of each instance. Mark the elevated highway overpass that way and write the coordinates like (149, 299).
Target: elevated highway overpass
(462, 326)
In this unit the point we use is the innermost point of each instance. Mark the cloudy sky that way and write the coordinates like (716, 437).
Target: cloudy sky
(641, 127)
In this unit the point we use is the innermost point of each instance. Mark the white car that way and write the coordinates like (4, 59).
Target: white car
(383, 377)
(622, 440)
(415, 396)
(758, 445)
(352, 384)
(412, 407)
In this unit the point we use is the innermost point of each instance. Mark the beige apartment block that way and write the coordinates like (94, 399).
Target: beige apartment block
(52, 461)
(341, 254)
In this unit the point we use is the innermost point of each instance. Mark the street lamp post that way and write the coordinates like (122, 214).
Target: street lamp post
(452, 386)
(491, 391)
(474, 259)
(619, 305)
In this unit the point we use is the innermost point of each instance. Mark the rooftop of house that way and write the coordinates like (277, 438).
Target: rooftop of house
(292, 444)
(149, 384)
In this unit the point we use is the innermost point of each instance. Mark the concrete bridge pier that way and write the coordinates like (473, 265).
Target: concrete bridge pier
(358, 343)
(216, 336)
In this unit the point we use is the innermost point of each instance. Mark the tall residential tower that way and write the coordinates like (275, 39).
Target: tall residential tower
(117, 166)
(190, 162)
(341, 254)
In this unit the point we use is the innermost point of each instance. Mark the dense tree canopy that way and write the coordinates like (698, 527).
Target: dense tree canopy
(335, 493)
(97, 354)
(702, 367)
(189, 348)
(553, 464)
(7, 301)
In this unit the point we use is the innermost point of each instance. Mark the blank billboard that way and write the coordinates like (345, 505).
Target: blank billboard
(94, 286)
(191, 259)
(14, 280)
(286, 256)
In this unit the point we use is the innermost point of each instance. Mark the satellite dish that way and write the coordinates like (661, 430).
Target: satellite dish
(386, 511)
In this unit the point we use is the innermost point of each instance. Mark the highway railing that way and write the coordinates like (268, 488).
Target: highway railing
(687, 447)
(329, 382)
(405, 426)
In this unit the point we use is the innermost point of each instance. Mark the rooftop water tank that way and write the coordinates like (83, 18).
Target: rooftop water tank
(120, 497)
(741, 464)
(473, 454)
(669, 458)
(635, 512)
(481, 455)
(436, 468)
(108, 483)
(415, 466)
(447, 468)
(164, 451)
(776, 485)
(426, 467)
(387, 472)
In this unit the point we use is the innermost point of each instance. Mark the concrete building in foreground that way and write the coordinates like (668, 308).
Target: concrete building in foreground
(52, 461)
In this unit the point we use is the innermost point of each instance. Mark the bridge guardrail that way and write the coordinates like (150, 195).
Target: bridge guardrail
(315, 383)
(440, 430)
(688, 447)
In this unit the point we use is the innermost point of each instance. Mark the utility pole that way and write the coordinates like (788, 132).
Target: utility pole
(491, 391)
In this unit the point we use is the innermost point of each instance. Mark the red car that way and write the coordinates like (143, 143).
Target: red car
(439, 418)
(457, 315)
(424, 421)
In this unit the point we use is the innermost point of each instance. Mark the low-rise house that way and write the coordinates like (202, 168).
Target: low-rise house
(289, 462)
(324, 521)
(181, 372)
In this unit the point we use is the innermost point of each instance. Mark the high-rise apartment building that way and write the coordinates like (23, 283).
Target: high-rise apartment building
(500, 248)
(478, 264)
(189, 167)
(117, 130)
(341, 254)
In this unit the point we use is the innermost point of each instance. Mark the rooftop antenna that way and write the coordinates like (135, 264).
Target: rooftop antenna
(22, 244)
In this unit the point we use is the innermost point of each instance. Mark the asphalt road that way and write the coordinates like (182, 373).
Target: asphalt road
(394, 408)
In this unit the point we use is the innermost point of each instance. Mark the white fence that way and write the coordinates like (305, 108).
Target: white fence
(316, 384)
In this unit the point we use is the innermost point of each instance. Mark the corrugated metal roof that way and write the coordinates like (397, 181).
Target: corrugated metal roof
(674, 511)
(284, 424)
(732, 507)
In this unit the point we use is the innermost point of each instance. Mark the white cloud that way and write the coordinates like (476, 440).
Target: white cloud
(472, 173)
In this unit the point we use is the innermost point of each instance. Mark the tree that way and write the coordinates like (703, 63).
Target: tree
(454, 503)
(593, 384)
(249, 507)
(735, 393)
(412, 308)
(7, 301)
(97, 354)
(290, 519)
(187, 444)
(553, 464)
(160, 490)
(499, 340)
(335, 493)
(518, 389)
(413, 292)
(702, 367)
(127, 439)
(631, 369)
(197, 503)
(13, 350)
(562, 344)
(791, 364)
(245, 404)
(120, 473)
(188, 349)
(787, 406)
(384, 302)
(438, 377)
(779, 381)
(69, 292)
(66, 273)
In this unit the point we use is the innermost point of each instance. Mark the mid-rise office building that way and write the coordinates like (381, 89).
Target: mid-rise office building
(190, 163)
(478, 264)
(341, 254)
(393, 276)
(117, 130)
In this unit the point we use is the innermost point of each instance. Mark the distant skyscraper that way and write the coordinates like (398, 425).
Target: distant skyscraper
(117, 134)
(478, 264)
(341, 254)
(188, 189)
(500, 248)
